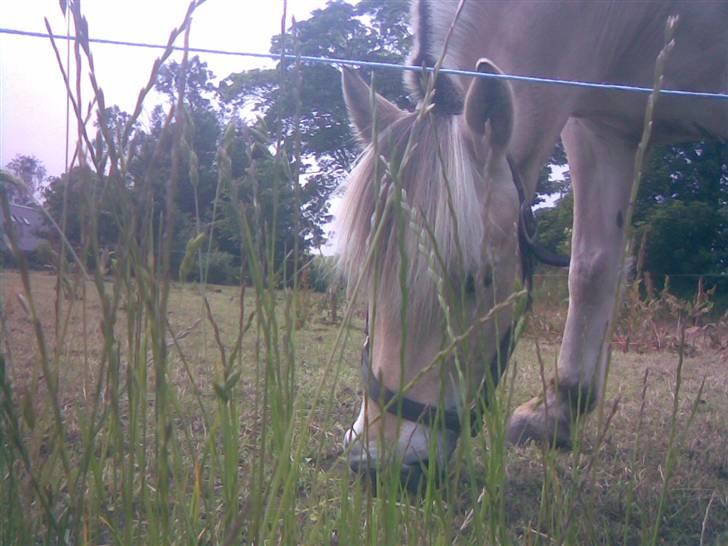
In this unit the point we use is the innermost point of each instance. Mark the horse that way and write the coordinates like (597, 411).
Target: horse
(434, 207)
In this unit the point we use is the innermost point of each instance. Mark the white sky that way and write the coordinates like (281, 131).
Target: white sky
(32, 93)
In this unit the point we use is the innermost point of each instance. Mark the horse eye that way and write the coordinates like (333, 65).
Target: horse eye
(470, 282)
(470, 285)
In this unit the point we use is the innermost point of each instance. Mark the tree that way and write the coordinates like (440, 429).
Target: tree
(31, 171)
(263, 202)
(554, 225)
(308, 106)
(199, 86)
(116, 121)
(192, 136)
(87, 194)
(198, 182)
(685, 238)
(312, 104)
(688, 173)
(548, 184)
(337, 31)
(681, 207)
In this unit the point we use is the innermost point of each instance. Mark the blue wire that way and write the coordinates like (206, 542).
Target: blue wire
(388, 66)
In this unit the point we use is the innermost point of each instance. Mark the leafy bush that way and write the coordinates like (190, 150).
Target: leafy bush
(42, 256)
(221, 268)
(39, 258)
(684, 240)
(323, 274)
(7, 259)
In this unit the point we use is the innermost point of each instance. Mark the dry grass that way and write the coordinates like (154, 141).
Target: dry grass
(605, 493)
(194, 348)
(630, 468)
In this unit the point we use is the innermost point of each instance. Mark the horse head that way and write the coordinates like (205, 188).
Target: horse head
(428, 237)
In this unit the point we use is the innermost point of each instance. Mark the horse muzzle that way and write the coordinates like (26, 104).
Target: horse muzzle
(392, 450)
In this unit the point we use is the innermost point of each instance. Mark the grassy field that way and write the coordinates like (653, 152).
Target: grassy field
(222, 446)
(135, 410)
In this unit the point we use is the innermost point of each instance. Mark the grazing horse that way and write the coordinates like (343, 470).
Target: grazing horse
(431, 219)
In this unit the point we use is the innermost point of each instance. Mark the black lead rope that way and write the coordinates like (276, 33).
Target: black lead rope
(429, 415)
(527, 232)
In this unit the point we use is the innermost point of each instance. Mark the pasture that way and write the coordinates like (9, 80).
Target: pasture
(136, 408)
(243, 447)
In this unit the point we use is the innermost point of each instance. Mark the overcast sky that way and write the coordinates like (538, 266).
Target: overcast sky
(32, 94)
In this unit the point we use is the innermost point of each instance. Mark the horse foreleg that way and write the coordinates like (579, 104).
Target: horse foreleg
(601, 162)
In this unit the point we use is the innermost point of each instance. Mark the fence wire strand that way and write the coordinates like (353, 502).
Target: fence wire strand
(385, 66)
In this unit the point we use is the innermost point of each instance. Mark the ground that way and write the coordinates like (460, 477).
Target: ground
(609, 491)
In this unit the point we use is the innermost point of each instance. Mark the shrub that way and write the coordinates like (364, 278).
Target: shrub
(221, 268)
(323, 274)
(42, 256)
(7, 259)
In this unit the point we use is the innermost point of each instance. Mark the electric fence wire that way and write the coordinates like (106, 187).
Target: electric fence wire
(385, 66)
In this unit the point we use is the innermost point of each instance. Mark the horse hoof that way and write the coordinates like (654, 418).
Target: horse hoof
(531, 423)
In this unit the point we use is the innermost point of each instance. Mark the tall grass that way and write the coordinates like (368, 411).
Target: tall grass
(152, 413)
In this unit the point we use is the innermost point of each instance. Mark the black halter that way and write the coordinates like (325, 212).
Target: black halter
(429, 415)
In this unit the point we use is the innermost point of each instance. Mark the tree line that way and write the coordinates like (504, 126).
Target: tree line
(289, 146)
(680, 218)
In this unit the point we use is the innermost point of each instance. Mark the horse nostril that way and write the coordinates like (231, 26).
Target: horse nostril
(365, 472)
(412, 477)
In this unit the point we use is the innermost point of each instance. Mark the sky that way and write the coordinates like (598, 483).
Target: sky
(32, 92)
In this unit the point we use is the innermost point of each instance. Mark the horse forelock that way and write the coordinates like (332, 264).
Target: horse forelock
(431, 22)
(421, 54)
(442, 212)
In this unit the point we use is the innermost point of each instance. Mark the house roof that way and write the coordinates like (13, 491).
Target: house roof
(28, 225)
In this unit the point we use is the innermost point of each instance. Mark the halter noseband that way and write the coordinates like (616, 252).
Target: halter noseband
(427, 414)
(430, 415)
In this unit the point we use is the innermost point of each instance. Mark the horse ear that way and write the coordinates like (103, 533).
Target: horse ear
(362, 109)
(490, 100)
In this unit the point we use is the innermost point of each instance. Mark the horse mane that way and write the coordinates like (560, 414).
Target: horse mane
(439, 226)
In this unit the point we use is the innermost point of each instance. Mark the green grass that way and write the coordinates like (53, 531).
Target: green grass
(232, 466)
(137, 410)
